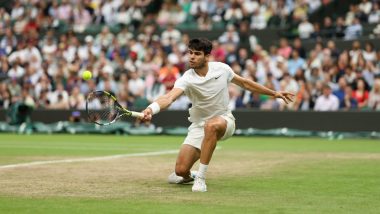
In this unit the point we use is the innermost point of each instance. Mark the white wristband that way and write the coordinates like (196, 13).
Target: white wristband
(155, 107)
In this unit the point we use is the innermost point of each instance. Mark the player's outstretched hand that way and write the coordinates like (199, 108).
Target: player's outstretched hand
(286, 96)
(147, 115)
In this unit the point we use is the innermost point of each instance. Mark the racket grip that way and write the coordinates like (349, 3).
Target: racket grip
(137, 114)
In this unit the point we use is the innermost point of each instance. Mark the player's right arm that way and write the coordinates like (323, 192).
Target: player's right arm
(163, 102)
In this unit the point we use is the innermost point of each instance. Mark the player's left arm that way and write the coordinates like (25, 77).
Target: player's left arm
(256, 87)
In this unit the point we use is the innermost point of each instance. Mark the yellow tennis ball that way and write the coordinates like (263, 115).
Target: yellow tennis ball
(87, 75)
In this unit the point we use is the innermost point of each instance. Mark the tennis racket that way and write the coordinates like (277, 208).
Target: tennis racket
(103, 109)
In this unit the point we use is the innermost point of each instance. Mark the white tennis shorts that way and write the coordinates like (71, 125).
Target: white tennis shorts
(196, 131)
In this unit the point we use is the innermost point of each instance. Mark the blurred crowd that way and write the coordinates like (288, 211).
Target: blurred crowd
(42, 68)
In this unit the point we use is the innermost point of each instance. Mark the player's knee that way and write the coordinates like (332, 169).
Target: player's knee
(181, 170)
(213, 127)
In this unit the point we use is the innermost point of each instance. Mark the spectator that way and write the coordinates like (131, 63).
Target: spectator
(305, 29)
(156, 89)
(230, 36)
(76, 99)
(170, 35)
(369, 53)
(327, 101)
(340, 93)
(374, 96)
(354, 30)
(82, 18)
(365, 7)
(295, 63)
(340, 28)
(234, 13)
(136, 85)
(361, 94)
(328, 28)
(374, 15)
(349, 102)
(284, 50)
(297, 45)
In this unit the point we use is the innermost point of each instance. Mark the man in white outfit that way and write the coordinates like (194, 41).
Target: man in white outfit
(206, 85)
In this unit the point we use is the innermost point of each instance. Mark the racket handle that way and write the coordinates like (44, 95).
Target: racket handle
(137, 114)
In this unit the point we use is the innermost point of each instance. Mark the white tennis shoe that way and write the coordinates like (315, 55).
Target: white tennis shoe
(175, 179)
(199, 185)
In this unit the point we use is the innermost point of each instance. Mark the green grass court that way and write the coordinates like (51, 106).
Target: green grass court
(246, 175)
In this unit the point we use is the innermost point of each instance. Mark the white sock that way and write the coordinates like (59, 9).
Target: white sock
(202, 170)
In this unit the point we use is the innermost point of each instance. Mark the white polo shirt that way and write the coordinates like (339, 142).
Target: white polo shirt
(209, 94)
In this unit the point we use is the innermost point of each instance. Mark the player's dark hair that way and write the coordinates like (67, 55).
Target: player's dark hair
(201, 44)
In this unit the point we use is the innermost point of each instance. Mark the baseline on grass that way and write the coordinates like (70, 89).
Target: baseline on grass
(103, 109)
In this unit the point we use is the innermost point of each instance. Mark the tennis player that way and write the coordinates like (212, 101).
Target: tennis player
(206, 85)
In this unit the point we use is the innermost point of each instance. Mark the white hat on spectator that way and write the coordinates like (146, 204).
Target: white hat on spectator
(88, 38)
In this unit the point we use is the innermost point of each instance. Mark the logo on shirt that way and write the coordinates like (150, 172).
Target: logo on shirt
(218, 77)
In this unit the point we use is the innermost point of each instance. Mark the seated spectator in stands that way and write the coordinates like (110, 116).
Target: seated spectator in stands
(168, 74)
(170, 13)
(340, 28)
(8, 42)
(305, 29)
(369, 72)
(313, 5)
(230, 36)
(374, 15)
(76, 99)
(297, 45)
(82, 18)
(156, 89)
(361, 94)
(349, 101)
(234, 13)
(374, 96)
(369, 53)
(218, 51)
(170, 34)
(218, 15)
(136, 84)
(327, 101)
(340, 92)
(64, 11)
(285, 49)
(288, 83)
(317, 34)
(303, 103)
(365, 7)
(104, 38)
(204, 22)
(300, 11)
(355, 53)
(295, 63)
(328, 29)
(197, 7)
(258, 20)
(353, 31)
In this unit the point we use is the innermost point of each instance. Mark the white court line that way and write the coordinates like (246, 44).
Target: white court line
(36, 163)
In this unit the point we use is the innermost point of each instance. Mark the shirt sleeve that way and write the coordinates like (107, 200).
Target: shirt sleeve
(181, 83)
(230, 72)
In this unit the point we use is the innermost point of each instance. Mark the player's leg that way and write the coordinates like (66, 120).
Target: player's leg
(216, 128)
(187, 156)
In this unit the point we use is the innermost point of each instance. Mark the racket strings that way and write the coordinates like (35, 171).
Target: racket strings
(102, 108)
